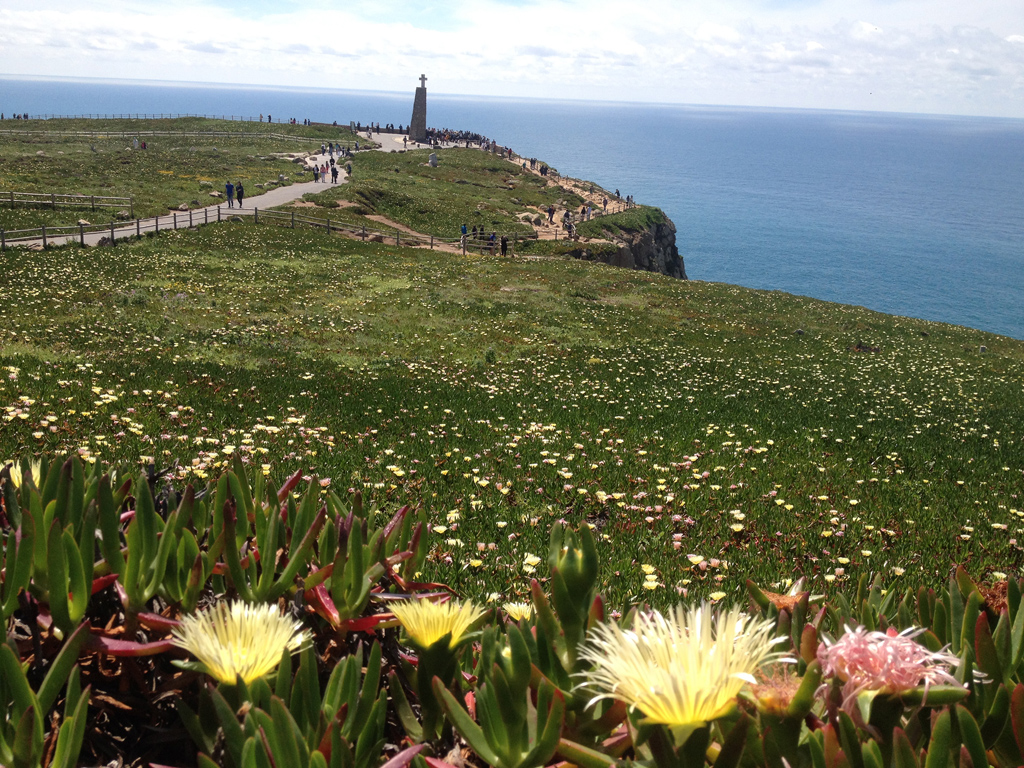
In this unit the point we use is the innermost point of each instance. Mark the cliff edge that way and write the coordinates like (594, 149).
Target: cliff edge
(639, 238)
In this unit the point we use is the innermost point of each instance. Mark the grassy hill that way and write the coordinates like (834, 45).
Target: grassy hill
(710, 433)
(181, 165)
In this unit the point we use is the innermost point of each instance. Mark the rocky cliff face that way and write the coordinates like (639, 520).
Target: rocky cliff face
(651, 248)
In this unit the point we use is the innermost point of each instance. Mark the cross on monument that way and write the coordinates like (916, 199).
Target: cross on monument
(423, 81)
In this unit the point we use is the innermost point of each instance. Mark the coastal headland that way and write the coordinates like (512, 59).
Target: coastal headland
(341, 402)
(488, 188)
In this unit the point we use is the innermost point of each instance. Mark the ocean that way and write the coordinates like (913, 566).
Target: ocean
(914, 215)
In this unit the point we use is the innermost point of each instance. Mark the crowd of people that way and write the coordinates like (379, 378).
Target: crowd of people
(19, 116)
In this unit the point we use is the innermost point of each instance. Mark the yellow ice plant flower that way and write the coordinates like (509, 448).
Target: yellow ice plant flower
(239, 640)
(426, 622)
(682, 669)
(16, 478)
(518, 611)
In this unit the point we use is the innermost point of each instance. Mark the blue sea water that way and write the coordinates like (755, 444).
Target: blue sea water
(907, 214)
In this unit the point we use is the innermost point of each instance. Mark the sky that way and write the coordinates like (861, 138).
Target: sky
(923, 56)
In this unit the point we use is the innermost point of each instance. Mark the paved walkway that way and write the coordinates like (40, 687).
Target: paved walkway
(196, 216)
(285, 194)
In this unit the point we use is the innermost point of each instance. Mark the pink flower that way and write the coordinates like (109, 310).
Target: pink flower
(884, 661)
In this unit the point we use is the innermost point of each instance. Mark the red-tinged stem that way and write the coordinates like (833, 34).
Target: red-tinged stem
(103, 582)
(157, 622)
(125, 648)
(404, 757)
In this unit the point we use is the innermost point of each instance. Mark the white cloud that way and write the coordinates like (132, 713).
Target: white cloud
(908, 55)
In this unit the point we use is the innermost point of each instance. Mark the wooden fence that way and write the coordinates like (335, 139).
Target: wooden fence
(54, 199)
(52, 236)
(162, 116)
(101, 134)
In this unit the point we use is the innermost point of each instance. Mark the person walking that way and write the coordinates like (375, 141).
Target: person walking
(334, 174)
(229, 193)
(504, 245)
(239, 193)
(316, 174)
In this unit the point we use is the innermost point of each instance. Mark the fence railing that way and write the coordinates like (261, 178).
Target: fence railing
(101, 134)
(54, 199)
(155, 116)
(62, 235)
(399, 237)
(54, 235)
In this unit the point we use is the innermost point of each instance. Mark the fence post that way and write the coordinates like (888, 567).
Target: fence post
(175, 220)
(157, 227)
(328, 226)
(53, 201)
(131, 207)
(81, 235)
(190, 218)
(397, 238)
(44, 238)
(3, 241)
(206, 215)
(431, 242)
(218, 213)
(293, 219)
(112, 239)
(93, 198)
(255, 215)
(12, 199)
(364, 232)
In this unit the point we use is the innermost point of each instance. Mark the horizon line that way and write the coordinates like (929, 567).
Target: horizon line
(311, 89)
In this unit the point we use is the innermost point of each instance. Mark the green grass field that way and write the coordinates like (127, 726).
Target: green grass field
(172, 170)
(468, 187)
(710, 433)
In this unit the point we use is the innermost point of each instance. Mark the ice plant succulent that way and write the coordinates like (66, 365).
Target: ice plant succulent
(239, 640)
(884, 662)
(518, 611)
(682, 669)
(35, 469)
(427, 622)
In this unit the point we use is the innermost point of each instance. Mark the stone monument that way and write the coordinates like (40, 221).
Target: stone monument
(418, 126)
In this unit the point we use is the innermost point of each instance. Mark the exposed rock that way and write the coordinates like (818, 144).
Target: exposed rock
(84, 223)
(123, 215)
(195, 204)
(652, 249)
(40, 153)
(182, 207)
(216, 194)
